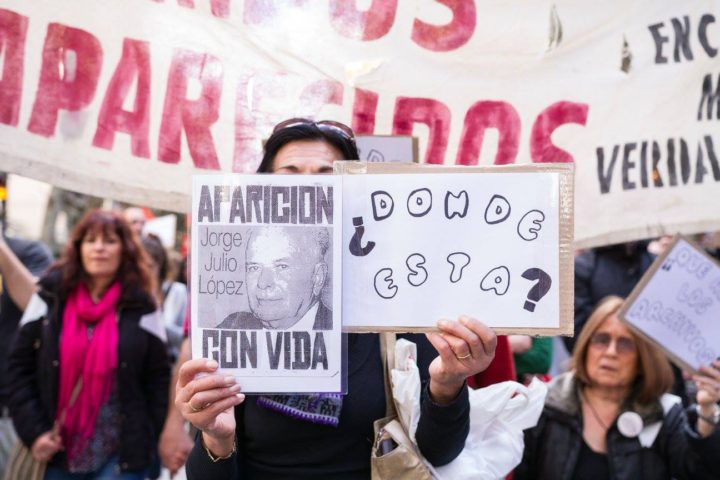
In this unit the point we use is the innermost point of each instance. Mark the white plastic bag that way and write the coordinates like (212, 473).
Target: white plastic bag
(498, 415)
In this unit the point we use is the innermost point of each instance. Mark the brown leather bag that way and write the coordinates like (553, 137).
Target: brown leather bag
(394, 456)
(21, 464)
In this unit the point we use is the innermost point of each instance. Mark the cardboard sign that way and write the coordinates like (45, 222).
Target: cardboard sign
(676, 305)
(432, 243)
(387, 148)
(265, 302)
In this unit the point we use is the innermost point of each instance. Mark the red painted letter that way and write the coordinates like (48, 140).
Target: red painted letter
(372, 24)
(434, 114)
(484, 115)
(542, 149)
(193, 116)
(12, 40)
(364, 108)
(134, 66)
(451, 36)
(66, 82)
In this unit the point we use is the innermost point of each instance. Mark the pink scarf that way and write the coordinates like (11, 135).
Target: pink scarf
(93, 360)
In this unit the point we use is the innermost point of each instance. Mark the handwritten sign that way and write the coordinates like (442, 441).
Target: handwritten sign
(387, 148)
(677, 305)
(426, 245)
(265, 302)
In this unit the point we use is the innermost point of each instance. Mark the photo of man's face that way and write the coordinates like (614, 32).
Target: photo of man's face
(285, 272)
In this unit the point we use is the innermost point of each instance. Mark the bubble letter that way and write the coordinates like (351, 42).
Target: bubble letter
(498, 210)
(382, 205)
(419, 202)
(530, 224)
(458, 261)
(497, 280)
(384, 285)
(418, 275)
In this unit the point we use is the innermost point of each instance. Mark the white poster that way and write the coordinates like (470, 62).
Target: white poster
(387, 148)
(420, 247)
(266, 297)
(677, 305)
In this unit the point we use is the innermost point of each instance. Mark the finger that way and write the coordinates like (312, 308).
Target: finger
(443, 347)
(191, 368)
(208, 382)
(204, 418)
(710, 372)
(463, 341)
(485, 334)
(201, 400)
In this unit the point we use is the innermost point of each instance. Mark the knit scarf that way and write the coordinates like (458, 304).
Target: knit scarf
(89, 357)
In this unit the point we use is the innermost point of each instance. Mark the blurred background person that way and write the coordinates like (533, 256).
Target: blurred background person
(171, 296)
(90, 345)
(36, 258)
(611, 418)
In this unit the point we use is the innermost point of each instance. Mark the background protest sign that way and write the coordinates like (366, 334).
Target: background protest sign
(265, 302)
(387, 148)
(94, 100)
(421, 243)
(676, 305)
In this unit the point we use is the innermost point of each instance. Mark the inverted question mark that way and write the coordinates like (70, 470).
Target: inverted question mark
(540, 288)
(355, 246)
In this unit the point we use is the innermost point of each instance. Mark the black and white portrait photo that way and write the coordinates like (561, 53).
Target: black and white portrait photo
(285, 272)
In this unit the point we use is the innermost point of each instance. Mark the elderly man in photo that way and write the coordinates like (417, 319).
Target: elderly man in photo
(285, 271)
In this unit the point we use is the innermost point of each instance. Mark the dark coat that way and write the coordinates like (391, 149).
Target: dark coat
(553, 446)
(273, 446)
(142, 375)
(248, 321)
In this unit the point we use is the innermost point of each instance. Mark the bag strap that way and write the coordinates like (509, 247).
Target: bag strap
(73, 397)
(387, 353)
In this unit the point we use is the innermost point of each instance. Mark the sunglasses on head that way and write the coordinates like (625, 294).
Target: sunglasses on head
(602, 341)
(324, 125)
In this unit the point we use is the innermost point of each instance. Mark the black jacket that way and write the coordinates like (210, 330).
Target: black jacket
(37, 258)
(678, 452)
(142, 375)
(273, 446)
(599, 272)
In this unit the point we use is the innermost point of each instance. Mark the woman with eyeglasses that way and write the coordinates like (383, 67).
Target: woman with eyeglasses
(275, 437)
(611, 418)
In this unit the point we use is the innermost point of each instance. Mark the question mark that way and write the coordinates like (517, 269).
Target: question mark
(539, 290)
(355, 242)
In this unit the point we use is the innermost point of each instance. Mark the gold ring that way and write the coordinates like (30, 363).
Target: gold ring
(195, 409)
(464, 356)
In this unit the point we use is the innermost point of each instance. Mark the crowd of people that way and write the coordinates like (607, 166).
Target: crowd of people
(96, 378)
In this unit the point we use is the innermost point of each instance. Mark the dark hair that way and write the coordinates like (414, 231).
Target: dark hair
(154, 247)
(304, 132)
(655, 376)
(134, 270)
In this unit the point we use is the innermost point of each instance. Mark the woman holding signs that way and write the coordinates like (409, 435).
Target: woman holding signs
(611, 418)
(254, 437)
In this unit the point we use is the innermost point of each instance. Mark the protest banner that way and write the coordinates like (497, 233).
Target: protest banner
(387, 148)
(424, 243)
(265, 303)
(129, 98)
(676, 305)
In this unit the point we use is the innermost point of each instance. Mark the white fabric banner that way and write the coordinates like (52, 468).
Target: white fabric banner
(128, 98)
